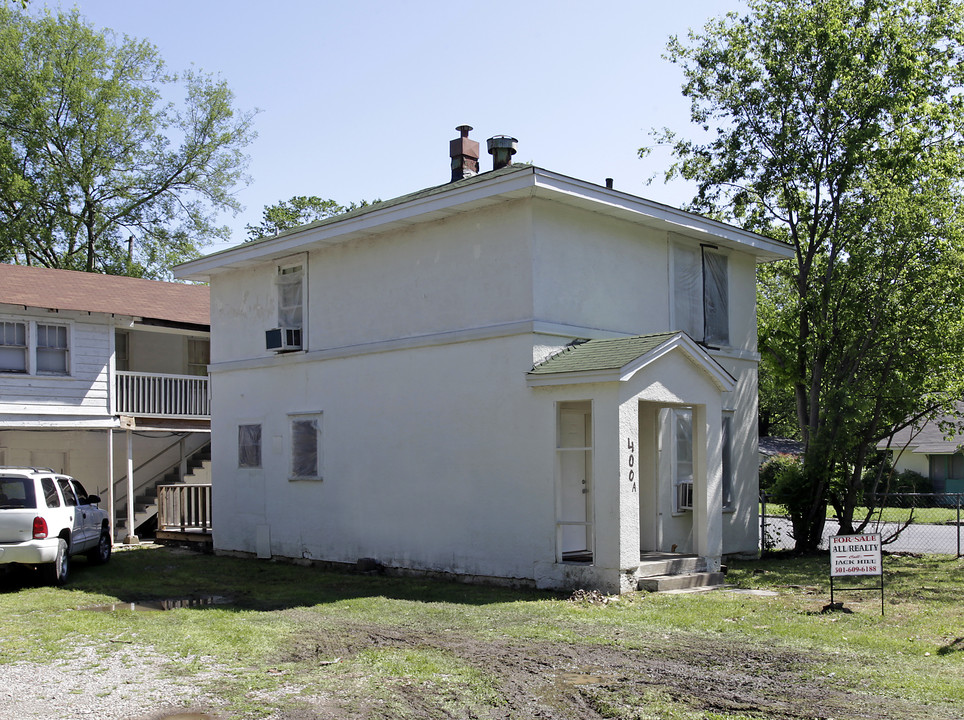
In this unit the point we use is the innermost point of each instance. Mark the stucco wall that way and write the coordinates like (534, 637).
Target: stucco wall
(597, 272)
(468, 271)
(434, 458)
(437, 455)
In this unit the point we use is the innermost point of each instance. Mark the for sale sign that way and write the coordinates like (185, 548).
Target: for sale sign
(855, 555)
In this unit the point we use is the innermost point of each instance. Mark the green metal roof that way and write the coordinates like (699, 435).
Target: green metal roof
(596, 355)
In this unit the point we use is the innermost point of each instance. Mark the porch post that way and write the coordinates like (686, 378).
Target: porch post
(131, 538)
(111, 508)
(708, 484)
(629, 480)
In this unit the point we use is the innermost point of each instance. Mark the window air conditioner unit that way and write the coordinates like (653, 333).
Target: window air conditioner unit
(282, 339)
(684, 497)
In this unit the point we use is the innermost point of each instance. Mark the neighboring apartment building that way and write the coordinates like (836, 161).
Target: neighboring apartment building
(87, 358)
(516, 375)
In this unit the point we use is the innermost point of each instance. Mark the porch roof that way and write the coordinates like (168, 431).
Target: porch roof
(618, 359)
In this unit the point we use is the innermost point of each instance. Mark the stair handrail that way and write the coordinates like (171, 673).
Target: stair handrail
(156, 476)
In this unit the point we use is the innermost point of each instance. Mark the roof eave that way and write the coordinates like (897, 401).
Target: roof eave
(723, 381)
(526, 181)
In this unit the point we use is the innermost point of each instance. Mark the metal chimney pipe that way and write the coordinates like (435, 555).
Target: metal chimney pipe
(465, 154)
(501, 148)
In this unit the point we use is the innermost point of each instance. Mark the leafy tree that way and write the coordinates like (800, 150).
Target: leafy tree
(98, 171)
(299, 210)
(836, 125)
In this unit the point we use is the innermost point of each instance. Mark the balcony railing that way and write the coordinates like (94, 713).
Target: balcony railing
(163, 396)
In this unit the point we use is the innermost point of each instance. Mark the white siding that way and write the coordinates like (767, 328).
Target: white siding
(84, 392)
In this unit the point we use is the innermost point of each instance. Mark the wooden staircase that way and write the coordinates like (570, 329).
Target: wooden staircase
(663, 572)
(145, 503)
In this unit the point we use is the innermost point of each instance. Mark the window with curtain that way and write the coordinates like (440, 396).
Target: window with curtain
(290, 296)
(249, 446)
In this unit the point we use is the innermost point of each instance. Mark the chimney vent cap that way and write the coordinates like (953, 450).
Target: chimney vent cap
(501, 142)
(502, 148)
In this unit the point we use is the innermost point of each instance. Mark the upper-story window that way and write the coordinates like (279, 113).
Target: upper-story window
(52, 350)
(290, 296)
(35, 348)
(701, 290)
(198, 356)
(13, 347)
(121, 350)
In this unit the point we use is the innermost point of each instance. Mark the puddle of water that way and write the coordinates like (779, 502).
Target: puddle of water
(159, 605)
(582, 679)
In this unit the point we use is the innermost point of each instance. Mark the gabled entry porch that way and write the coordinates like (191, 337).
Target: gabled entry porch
(639, 456)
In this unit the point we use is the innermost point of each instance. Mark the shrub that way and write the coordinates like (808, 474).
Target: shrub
(773, 468)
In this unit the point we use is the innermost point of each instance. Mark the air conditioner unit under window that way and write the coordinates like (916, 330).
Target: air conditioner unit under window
(282, 339)
(684, 496)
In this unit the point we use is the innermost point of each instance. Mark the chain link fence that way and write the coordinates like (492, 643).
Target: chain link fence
(924, 523)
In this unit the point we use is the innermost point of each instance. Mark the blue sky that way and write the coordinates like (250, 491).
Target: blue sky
(358, 99)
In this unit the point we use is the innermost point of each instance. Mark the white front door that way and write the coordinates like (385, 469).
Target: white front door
(574, 492)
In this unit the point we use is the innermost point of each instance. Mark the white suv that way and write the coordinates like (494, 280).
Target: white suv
(46, 517)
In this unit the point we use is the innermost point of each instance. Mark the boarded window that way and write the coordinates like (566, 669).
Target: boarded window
(306, 456)
(727, 461)
(249, 446)
(701, 294)
(688, 291)
(716, 308)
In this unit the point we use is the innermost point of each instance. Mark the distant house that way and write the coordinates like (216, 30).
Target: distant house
(85, 358)
(771, 447)
(933, 451)
(516, 375)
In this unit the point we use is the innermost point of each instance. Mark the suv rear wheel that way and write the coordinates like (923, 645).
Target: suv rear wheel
(58, 571)
(101, 554)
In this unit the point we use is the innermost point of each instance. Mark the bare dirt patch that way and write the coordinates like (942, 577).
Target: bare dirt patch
(590, 681)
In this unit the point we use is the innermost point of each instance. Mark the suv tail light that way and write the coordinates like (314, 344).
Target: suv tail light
(39, 528)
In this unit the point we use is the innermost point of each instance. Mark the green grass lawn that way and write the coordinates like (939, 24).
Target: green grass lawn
(383, 647)
(924, 515)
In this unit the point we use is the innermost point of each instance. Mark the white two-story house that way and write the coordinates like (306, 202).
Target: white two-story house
(104, 378)
(516, 376)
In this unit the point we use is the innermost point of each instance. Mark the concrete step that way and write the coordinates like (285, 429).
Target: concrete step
(687, 581)
(670, 565)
